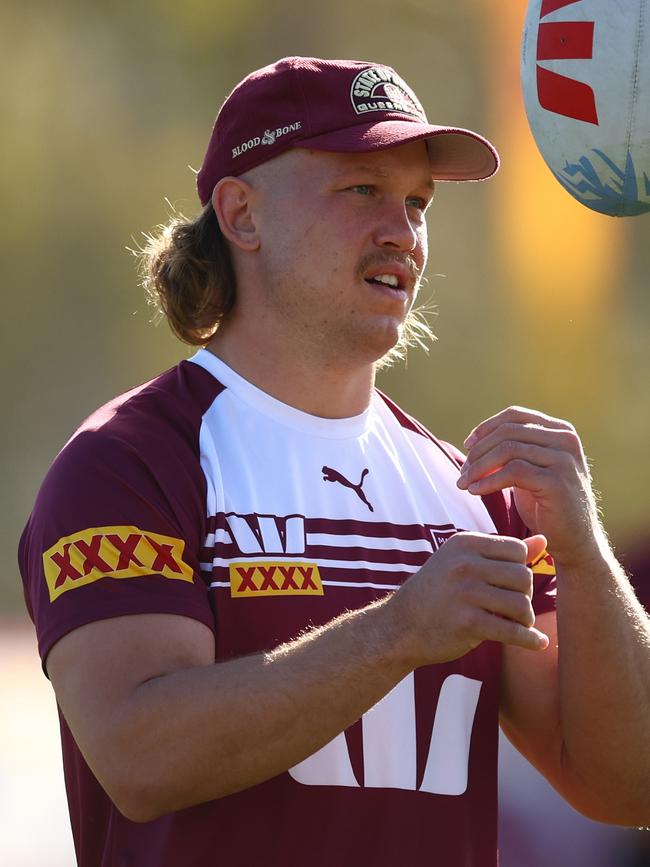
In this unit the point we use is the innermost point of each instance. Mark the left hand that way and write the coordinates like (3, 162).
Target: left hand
(543, 460)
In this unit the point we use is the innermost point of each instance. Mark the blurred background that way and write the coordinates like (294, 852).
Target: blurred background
(106, 109)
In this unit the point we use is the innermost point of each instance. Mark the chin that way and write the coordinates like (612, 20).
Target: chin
(362, 343)
(384, 348)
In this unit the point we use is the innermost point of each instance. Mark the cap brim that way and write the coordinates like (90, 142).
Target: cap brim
(456, 154)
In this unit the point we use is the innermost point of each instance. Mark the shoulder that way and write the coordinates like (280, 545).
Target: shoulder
(133, 462)
(175, 401)
(135, 442)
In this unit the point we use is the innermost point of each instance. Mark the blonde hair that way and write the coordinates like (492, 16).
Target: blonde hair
(187, 273)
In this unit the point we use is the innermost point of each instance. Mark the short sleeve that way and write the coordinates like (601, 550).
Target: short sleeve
(117, 527)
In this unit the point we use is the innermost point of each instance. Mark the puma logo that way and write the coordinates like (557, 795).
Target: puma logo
(330, 475)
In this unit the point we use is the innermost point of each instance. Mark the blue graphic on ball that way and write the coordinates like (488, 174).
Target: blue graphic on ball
(617, 198)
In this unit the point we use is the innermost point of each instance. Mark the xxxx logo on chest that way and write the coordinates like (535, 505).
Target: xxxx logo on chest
(275, 579)
(112, 552)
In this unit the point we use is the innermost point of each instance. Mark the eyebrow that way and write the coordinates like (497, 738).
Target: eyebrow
(380, 172)
(372, 170)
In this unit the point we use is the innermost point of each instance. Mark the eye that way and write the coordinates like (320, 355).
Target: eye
(363, 189)
(418, 203)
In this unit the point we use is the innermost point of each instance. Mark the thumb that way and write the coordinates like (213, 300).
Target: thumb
(536, 547)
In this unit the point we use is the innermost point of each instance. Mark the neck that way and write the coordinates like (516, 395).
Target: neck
(322, 387)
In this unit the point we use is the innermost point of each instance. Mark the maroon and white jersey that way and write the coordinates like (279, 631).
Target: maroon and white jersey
(200, 495)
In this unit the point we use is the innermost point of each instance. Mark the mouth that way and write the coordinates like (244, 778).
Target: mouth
(385, 280)
(393, 278)
(392, 283)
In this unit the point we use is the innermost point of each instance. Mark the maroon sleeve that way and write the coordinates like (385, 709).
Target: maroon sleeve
(119, 521)
(508, 522)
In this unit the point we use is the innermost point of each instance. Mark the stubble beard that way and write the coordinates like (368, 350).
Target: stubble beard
(334, 334)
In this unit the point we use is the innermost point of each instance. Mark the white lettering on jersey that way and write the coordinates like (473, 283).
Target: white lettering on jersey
(295, 538)
(330, 766)
(439, 537)
(389, 732)
(389, 743)
(243, 536)
(267, 539)
(447, 764)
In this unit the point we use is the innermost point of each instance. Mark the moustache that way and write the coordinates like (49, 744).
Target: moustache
(372, 260)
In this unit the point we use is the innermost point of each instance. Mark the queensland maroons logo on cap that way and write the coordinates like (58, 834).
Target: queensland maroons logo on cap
(381, 89)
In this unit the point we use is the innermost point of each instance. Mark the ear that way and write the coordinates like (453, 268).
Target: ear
(233, 201)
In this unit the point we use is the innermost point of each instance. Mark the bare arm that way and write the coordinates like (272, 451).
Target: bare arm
(597, 759)
(163, 730)
(163, 727)
(580, 711)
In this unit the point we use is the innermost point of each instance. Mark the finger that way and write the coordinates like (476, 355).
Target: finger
(505, 453)
(565, 439)
(507, 549)
(510, 576)
(511, 604)
(518, 415)
(537, 546)
(493, 628)
(516, 474)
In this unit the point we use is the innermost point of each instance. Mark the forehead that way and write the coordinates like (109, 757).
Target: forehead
(406, 159)
(408, 163)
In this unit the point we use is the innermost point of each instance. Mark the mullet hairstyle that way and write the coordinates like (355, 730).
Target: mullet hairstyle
(187, 273)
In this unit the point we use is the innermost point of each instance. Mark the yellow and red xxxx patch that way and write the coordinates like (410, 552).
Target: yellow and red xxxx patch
(112, 552)
(275, 579)
(544, 565)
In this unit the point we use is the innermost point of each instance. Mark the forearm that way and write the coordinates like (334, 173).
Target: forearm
(202, 733)
(586, 723)
(604, 689)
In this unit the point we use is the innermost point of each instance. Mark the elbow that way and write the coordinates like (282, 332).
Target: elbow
(146, 803)
(144, 786)
(616, 815)
(144, 796)
(136, 812)
(137, 802)
(627, 806)
(611, 793)
(137, 781)
(134, 788)
(615, 811)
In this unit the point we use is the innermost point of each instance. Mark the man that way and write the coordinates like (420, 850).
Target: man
(280, 622)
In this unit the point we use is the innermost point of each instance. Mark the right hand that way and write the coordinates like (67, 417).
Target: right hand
(475, 588)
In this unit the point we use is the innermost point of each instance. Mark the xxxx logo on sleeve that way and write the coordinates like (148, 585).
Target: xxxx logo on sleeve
(544, 565)
(275, 579)
(112, 552)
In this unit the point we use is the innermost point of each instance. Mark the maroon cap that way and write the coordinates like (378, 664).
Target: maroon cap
(347, 106)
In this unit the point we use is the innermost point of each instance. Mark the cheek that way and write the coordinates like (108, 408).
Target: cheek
(422, 246)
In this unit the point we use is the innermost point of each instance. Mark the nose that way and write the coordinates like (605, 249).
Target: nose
(396, 230)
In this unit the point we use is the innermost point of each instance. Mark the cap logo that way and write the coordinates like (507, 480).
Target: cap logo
(381, 89)
(270, 136)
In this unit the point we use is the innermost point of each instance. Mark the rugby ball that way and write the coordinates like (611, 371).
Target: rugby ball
(585, 71)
